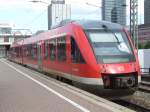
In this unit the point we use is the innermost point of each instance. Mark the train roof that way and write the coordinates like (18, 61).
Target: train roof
(95, 24)
(90, 24)
(17, 43)
(85, 24)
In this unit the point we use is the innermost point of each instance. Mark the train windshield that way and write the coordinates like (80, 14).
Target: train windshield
(110, 46)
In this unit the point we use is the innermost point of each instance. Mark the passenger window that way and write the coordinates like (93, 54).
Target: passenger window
(20, 51)
(31, 51)
(46, 50)
(34, 51)
(76, 56)
(26, 51)
(61, 47)
(52, 46)
(17, 51)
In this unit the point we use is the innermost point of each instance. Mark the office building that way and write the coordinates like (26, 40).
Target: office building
(114, 11)
(58, 11)
(146, 11)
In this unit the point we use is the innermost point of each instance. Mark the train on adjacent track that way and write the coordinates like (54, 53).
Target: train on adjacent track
(90, 52)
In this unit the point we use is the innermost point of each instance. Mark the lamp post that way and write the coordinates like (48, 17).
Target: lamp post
(134, 21)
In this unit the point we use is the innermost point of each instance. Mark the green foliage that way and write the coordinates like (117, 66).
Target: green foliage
(140, 46)
(147, 45)
(144, 46)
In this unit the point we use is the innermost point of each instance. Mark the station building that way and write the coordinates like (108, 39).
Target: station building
(8, 35)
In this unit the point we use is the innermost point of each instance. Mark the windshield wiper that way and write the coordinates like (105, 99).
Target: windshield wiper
(107, 29)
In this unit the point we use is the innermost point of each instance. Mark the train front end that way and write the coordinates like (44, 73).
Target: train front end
(115, 55)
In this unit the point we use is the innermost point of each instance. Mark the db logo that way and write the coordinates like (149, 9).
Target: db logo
(121, 68)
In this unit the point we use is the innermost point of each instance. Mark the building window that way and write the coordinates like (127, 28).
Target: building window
(52, 46)
(5, 30)
(76, 56)
(46, 50)
(61, 48)
(114, 15)
(6, 39)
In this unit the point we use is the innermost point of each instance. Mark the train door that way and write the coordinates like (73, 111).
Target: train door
(39, 54)
(77, 60)
(22, 52)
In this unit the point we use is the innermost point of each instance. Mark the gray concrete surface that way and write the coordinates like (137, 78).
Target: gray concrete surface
(24, 90)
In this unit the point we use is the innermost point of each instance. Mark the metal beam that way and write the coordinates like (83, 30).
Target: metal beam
(134, 21)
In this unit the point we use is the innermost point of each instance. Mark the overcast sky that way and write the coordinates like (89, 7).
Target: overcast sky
(25, 14)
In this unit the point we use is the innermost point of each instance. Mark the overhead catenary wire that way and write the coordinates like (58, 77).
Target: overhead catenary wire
(36, 18)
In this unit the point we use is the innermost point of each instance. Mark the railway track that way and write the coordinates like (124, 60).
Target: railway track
(131, 105)
(145, 84)
(145, 77)
(139, 101)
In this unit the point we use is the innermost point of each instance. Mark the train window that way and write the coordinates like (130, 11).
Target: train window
(76, 56)
(20, 51)
(17, 51)
(61, 47)
(23, 53)
(110, 46)
(46, 50)
(31, 51)
(34, 51)
(52, 46)
(28, 50)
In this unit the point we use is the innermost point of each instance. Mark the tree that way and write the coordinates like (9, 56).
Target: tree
(147, 45)
(140, 46)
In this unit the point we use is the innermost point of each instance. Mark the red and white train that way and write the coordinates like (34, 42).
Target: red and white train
(95, 53)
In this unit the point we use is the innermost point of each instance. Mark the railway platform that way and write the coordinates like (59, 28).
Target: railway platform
(25, 90)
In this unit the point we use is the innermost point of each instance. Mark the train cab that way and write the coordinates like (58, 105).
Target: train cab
(114, 53)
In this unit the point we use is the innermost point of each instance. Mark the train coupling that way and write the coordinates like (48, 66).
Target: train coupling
(117, 82)
(122, 82)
